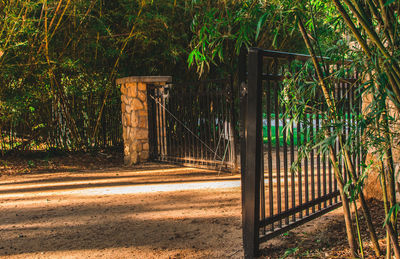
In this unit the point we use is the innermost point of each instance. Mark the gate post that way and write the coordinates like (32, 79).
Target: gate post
(252, 153)
(135, 115)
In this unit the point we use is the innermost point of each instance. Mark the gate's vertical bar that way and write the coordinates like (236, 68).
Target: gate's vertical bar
(173, 123)
(210, 126)
(352, 122)
(312, 127)
(159, 122)
(200, 127)
(285, 163)
(178, 135)
(201, 118)
(277, 141)
(221, 117)
(205, 123)
(342, 119)
(361, 150)
(243, 112)
(269, 152)
(337, 146)
(299, 169)
(168, 120)
(161, 119)
(306, 172)
(318, 158)
(357, 107)
(214, 125)
(292, 171)
(221, 120)
(226, 158)
(293, 69)
(350, 117)
(189, 124)
(182, 137)
(152, 126)
(185, 101)
(251, 205)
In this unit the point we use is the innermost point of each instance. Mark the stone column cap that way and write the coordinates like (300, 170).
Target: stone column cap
(144, 79)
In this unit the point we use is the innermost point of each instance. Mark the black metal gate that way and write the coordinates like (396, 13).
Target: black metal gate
(276, 198)
(193, 124)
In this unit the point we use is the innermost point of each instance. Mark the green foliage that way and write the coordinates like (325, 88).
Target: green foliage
(31, 164)
(394, 210)
(56, 54)
(290, 252)
(368, 34)
(223, 28)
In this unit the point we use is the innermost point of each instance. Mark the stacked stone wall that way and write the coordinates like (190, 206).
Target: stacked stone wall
(135, 122)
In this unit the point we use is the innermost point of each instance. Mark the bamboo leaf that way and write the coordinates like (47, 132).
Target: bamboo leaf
(395, 209)
(260, 23)
(388, 2)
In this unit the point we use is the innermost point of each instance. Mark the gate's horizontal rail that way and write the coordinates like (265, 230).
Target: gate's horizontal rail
(293, 211)
(216, 167)
(194, 161)
(297, 223)
(281, 78)
(296, 56)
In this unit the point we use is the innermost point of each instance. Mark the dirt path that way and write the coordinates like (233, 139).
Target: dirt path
(153, 211)
(101, 214)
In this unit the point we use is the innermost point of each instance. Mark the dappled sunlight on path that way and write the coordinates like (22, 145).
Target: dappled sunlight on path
(177, 212)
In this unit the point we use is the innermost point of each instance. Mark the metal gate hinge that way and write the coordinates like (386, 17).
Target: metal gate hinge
(243, 89)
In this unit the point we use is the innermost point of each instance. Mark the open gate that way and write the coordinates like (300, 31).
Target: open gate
(193, 124)
(276, 198)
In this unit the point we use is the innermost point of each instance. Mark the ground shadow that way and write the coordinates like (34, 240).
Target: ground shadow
(200, 220)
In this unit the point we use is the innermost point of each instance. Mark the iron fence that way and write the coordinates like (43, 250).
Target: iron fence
(192, 123)
(52, 124)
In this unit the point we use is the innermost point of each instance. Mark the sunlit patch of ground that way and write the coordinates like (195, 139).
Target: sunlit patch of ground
(172, 213)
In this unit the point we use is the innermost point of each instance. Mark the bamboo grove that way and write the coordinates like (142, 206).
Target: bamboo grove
(60, 59)
(372, 25)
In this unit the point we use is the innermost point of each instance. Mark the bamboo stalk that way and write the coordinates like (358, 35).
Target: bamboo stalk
(349, 164)
(60, 19)
(388, 25)
(345, 202)
(373, 37)
(393, 237)
(55, 14)
(338, 174)
(386, 207)
(388, 226)
(353, 28)
(364, 206)
(377, 15)
(358, 230)
(389, 168)
(114, 69)
(396, 82)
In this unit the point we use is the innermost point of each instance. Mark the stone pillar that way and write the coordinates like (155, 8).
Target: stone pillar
(135, 115)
